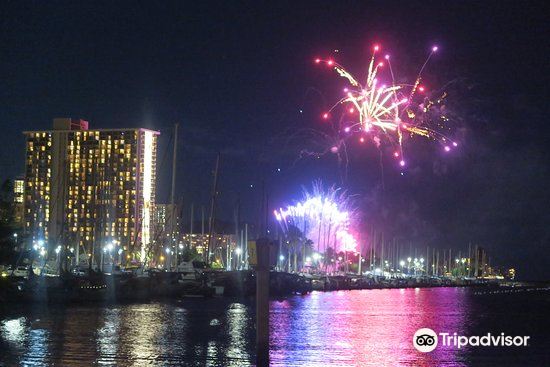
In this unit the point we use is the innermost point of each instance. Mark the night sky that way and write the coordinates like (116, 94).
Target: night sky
(240, 80)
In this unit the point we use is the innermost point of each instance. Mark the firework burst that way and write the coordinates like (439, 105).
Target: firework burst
(323, 216)
(388, 111)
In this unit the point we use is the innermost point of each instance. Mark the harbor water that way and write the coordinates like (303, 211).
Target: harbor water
(343, 328)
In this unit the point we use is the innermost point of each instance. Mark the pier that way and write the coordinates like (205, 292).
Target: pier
(155, 285)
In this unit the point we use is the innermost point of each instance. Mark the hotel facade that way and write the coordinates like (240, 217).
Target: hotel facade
(19, 202)
(90, 187)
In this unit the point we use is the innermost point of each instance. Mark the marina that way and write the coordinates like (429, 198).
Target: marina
(158, 285)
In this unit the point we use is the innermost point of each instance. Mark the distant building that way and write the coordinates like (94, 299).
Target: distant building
(19, 201)
(90, 187)
(162, 226)
(158, 221)
(218, 245)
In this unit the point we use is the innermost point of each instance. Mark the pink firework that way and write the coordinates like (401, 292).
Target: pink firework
(388, 110)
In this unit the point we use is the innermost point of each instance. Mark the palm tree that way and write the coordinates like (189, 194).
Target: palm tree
(294, 239)
(330, 255)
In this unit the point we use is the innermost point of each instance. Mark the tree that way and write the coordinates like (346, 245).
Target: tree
(330, 257)
(7, 222)
(189, 254)
(294, 239)
(7, 208)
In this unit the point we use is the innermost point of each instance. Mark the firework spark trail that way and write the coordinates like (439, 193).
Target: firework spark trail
(325, 217)
(391, 111)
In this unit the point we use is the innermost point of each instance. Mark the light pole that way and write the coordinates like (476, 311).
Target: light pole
(58, 257)
(102, 259)
(401, 264)
(316, 257)
(20, 253)
(409, 266)
(43, 253)
(168, 259)
(114, 245)
(37, 246)
(238, 252)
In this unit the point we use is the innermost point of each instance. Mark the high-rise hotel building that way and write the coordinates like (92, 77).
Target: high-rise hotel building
(90, 187)
(19, 201)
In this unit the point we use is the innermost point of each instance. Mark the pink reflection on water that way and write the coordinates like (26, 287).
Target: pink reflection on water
(365, 328)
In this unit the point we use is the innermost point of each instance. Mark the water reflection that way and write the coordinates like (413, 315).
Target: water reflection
(238, 317)
(364, 328)
(143, 325)
(23, 336)
(37, 348)
(107, 337)
(13, 331)
(348, 328)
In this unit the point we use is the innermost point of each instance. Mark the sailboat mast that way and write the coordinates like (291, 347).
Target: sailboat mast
(191, 225)
(237, 220)
(202, 225)
(173, 194)
(212, 210)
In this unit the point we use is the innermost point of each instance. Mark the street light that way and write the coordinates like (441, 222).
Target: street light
(15, 236)
(416, 265)
(107, 248)
(238, 252)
